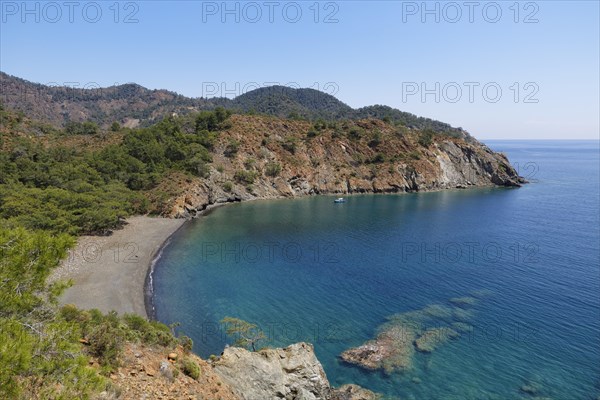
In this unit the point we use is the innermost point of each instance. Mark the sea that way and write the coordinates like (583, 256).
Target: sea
(516, 269)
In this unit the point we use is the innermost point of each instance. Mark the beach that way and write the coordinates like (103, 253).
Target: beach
(109, 272)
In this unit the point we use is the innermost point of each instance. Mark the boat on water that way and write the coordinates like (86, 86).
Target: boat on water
(339, 200)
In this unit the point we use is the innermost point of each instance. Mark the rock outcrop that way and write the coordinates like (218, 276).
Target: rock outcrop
(405, 335)
(382, 160)
(392, 350)
(292, 373)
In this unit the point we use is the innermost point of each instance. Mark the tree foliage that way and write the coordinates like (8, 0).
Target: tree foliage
(77, 191)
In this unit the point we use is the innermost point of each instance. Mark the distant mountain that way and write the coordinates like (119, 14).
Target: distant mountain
(133, 105)
(129, 103)
(284, 102)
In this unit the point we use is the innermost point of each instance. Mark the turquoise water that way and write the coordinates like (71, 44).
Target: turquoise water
(331, 274)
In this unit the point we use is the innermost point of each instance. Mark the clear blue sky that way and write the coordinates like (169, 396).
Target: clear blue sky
(376, 53)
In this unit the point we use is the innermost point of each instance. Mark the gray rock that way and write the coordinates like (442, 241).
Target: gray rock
(292, 373)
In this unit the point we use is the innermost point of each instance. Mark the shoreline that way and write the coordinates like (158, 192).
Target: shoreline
(149, 281)
(127, 258)
(110, 272)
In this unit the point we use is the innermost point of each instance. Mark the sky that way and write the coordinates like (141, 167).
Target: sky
(500, 70)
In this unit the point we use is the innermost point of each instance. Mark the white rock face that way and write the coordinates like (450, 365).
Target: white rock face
(292, 373)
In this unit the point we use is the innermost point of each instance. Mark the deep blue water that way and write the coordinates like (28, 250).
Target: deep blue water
(330, 274)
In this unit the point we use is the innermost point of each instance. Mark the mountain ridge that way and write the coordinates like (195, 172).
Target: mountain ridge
(133, 105)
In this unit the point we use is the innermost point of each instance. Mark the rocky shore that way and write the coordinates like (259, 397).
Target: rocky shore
(292, 373)
(274, 159)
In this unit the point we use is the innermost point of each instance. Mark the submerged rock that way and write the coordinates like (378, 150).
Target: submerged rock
(462, 327)
(353, 392)
(391, 350)
(432, 338)
(463, 301)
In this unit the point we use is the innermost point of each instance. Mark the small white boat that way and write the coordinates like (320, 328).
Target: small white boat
(339, 200)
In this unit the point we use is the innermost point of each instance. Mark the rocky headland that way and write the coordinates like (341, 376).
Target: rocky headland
(261, 157)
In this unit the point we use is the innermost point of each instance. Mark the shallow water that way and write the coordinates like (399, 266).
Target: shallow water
(332, 274)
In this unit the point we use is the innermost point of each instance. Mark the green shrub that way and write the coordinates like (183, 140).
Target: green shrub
(190, 368)
(232, 148)
(355, 133)
(425, 138)
(320, 124)
(81, 128)
(272, 169)
(187, 343)
(249, 163)
(212, 121)
(247, 177)
(378, 158)
(106, 342)
(290, 144)
(312, 133)
(375, 140)
(228, 186)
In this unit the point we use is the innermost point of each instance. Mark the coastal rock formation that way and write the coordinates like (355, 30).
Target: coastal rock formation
(382, 160)
(432, 338)
(391, 350)
(353, 392)
(292, 373)
(394, 347)
(147, 372)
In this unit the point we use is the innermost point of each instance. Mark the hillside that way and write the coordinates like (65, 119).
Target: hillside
(184, 164)
(132, 105)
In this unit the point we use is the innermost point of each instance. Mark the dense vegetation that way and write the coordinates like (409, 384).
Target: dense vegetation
(65, 189)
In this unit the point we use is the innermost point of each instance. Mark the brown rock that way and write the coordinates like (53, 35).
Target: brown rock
(391, 350)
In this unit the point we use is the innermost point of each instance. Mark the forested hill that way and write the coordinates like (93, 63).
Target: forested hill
(132, 105)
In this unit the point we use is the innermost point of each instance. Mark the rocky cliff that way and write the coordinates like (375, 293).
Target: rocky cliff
(283, 158)
(292, 373)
